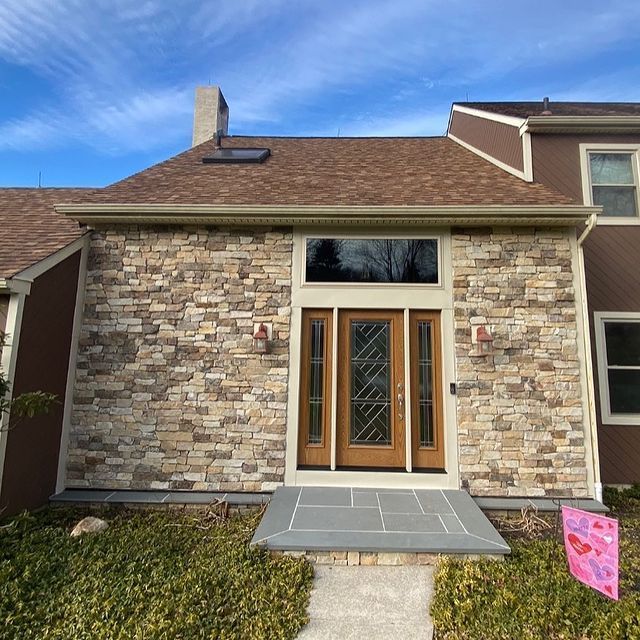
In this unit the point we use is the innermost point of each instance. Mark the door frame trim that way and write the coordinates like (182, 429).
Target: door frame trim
(404, 298)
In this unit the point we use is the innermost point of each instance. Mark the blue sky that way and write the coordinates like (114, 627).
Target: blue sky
(94, 90)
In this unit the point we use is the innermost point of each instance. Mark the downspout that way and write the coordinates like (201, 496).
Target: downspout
(593, 421)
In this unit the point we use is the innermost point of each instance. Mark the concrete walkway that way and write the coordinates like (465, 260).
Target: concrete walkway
(372, 603)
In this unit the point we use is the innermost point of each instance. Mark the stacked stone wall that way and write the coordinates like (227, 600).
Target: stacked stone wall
(520, 414)
(169, 392)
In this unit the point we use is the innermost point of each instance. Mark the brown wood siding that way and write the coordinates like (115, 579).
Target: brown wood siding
(501, 141)
(612, 265)
(556, 159)
(31, 460)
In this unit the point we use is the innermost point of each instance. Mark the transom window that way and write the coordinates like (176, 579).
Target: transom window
(614, 182)
(375, 260)
(618, 344)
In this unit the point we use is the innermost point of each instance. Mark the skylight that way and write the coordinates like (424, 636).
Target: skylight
(237, 156)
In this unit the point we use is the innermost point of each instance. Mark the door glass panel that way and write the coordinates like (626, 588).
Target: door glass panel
(370, 382)
(425, 384)
(316, 382)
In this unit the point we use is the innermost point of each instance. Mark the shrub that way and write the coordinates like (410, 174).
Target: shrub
(531, 595)
(150, 575)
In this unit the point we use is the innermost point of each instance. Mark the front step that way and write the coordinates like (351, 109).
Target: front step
(395, 525)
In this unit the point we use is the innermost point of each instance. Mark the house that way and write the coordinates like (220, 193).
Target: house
(589, 152)
(369, 312)
(41, 263)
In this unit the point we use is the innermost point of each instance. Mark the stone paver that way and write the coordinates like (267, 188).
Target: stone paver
(376, 520)
(372, 603)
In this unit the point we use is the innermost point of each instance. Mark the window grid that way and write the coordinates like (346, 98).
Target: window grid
(600, 188)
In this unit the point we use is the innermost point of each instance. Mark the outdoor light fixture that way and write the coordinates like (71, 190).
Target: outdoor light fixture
(261, 339)
(484, 342)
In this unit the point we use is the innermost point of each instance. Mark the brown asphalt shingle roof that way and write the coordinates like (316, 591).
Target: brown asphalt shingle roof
(30, 230)
(332, 171)
(526, 109)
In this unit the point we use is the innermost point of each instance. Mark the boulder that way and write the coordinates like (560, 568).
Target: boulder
(89, 525)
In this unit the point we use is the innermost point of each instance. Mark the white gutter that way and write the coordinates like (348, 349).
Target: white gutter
(286, 215)
(559, 124)
(593, 419)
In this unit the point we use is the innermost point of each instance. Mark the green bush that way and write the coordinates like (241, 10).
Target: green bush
(531, 595)
(622, 499)
(151, 576)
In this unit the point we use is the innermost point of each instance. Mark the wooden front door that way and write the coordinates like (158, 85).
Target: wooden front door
(371, 389)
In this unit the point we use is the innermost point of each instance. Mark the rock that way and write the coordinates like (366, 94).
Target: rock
(89, 525)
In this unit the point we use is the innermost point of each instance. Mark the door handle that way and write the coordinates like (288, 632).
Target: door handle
(400, 401)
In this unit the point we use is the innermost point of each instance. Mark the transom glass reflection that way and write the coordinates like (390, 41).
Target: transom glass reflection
(370, 383)
(373, 260)
(425, 384)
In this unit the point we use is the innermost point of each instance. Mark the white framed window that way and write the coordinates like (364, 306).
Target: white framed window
(618, 354)
(610, 179)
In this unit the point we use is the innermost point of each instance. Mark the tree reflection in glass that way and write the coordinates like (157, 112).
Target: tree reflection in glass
(372, 260)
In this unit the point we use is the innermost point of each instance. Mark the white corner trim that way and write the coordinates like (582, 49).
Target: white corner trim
(527, 157)
(585, 175)
(8, 364)
(512, 121)
(15, 285)
(37, 269)
(586, 368)
(486, 156)
(599, 319)
(71, 370)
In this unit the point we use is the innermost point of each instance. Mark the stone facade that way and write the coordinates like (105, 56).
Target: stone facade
(169, 393)
(520, 414)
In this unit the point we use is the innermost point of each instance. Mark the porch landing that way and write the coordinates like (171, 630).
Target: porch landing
(378, 521)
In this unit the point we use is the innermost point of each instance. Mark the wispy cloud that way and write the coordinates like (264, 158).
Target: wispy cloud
(118, 75)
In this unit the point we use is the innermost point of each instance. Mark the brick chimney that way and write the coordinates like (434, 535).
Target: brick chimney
(211, 114)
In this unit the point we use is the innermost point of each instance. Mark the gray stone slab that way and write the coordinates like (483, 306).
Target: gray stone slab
(365, 499)
(398, 503)
(81, 495)
(411, 523)
(547, 504)
(278, 515)
(451, 523)
(247, 498)
(326, 496)
(376, 541)
(366, 490)
(193, 497)
(137, 497)
(472, 519)
(543, 504)
(433, 501)
(337, 519)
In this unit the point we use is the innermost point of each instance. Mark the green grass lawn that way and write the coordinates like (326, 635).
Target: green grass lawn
(152, 575)
(531, 595)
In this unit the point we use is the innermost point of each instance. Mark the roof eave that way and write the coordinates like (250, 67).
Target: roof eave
(581, 124)
(288, 215)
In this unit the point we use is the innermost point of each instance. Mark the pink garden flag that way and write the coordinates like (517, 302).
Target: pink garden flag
(591, 542)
